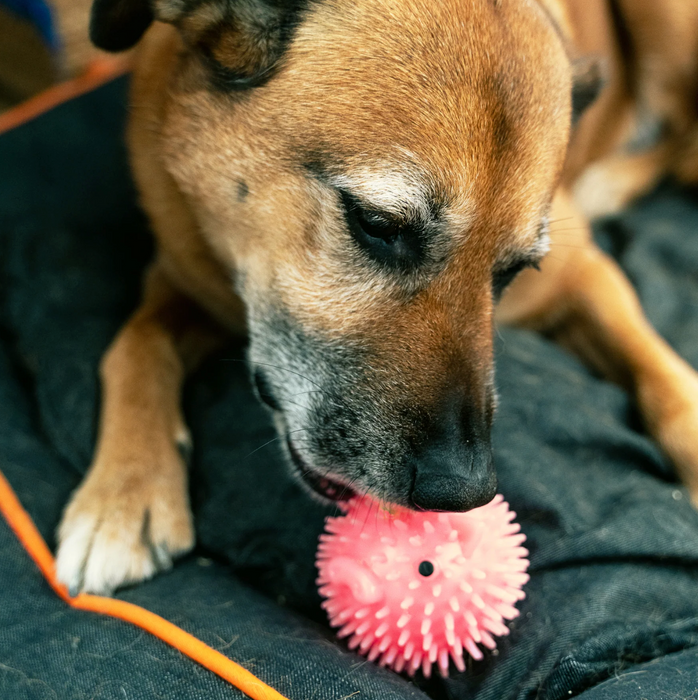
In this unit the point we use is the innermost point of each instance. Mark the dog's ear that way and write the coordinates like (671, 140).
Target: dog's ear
(588, 80)
(241, 41)
(116, 25)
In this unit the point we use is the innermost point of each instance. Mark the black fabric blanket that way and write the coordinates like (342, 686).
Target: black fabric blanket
(612, 606)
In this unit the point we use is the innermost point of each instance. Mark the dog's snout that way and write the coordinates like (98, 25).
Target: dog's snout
(454, 478)
(454, 470)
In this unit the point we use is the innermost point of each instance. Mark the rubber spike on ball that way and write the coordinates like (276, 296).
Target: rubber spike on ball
(413, 589)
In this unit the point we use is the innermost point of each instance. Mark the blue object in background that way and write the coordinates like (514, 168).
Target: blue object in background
(39, 14)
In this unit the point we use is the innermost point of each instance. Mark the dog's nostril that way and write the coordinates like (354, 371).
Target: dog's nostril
(264, 390)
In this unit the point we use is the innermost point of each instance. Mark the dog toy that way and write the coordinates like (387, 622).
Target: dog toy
(413, 588)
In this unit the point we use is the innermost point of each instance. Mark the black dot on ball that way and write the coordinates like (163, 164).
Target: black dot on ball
(426, 568)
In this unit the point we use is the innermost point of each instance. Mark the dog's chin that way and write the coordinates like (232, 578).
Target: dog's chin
(323, 486)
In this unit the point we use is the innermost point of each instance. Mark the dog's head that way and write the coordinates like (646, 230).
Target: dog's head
(375, 172)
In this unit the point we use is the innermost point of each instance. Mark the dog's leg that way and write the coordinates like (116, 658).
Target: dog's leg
(131, 515)
(585, 301)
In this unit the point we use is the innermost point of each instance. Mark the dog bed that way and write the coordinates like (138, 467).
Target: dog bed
(612, 606)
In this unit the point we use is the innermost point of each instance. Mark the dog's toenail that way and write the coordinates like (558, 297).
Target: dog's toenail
(185, 449)
(162, 557)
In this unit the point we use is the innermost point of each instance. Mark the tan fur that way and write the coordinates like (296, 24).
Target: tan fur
(380, 87)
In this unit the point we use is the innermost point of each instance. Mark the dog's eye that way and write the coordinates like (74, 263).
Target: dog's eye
(394, 243)
(503, 277)
(373, 225)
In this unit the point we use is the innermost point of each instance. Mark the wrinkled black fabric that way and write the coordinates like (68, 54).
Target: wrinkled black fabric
(612, 607)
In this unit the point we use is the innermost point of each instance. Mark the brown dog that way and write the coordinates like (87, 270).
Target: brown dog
(356, 182)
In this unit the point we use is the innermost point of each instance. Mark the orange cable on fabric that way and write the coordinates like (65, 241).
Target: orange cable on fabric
(100, 71)
(21, 523)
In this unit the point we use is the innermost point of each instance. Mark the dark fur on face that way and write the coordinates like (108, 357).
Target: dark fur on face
(345, 432)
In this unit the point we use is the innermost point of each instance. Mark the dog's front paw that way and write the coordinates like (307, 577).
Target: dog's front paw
(123, 526)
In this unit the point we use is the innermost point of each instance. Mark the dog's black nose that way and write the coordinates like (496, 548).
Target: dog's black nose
(454, 475)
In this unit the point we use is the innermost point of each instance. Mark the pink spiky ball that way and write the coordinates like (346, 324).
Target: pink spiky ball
(412, 589)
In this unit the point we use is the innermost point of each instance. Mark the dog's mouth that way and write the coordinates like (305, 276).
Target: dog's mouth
(329, 488)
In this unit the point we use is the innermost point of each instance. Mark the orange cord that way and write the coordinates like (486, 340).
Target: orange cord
(100, 71)
(23, 526)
